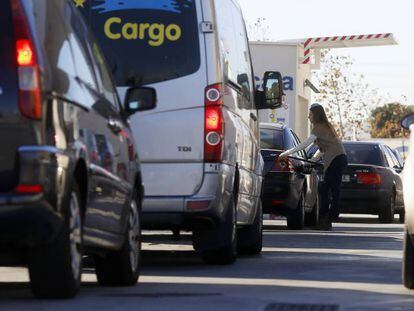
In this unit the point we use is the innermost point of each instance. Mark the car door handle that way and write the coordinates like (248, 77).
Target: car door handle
(115, 126)
(253, 116)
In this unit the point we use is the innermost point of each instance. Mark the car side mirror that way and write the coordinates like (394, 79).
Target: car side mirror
(272, 96)
(407, 121)
(140, 99)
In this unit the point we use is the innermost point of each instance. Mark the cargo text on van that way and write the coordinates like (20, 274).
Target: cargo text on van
(156, 33)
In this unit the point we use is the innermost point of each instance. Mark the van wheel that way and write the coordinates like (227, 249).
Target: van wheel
(55, 269)
(296, 220)
(408, 261)
(386, 215)
(226, 231)
(121, 268)
(250, 238)
(312, 218)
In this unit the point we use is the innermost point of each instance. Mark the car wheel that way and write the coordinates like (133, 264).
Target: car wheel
(296, 220)
(386, 215)
(122, 268)
(408, 261)
(55, 269)
(250, 238)
(312, 218)
(227, 254)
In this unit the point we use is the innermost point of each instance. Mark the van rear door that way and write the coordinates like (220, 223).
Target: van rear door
(158, 43)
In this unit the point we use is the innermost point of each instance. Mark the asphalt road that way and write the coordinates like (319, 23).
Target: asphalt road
(357, 266)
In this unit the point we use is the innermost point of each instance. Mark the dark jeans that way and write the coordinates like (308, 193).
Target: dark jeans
(331, 187)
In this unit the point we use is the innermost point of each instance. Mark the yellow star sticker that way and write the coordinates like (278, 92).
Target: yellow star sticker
(79, 3)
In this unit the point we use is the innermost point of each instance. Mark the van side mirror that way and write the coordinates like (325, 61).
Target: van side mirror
(407, 121)
(272, 96)
(140, 99)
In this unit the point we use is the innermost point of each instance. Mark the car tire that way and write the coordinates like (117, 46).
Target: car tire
(250, 238)
(408, 261)
(386, 215)
(55, 269)
(122, 267)
(296, 220)
(312, 218)
(226, 254)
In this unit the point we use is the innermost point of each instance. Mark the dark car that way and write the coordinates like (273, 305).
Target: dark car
(290, 186)
(58, 198)
(371, 184)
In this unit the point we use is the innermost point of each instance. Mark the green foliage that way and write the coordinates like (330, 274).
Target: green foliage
(385, 120)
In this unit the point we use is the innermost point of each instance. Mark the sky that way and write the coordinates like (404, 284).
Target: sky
(390, 69)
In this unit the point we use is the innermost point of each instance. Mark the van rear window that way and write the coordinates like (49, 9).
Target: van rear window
(146, 41)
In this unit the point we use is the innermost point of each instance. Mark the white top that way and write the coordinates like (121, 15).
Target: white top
(302, 146)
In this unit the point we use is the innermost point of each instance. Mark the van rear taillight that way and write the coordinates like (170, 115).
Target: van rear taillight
(27, 66)
(369, 178)
(213, 124)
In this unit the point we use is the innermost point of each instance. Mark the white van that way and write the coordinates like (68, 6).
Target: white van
(199, 148)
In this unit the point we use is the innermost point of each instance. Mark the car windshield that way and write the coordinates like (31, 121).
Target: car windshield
(146, 41)
(364, 154)
(271, 139)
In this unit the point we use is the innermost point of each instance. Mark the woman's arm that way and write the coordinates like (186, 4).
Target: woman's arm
(317, 156)
(311, 139)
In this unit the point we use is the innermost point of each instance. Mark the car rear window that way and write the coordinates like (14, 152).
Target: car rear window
(271, 139)
(146, 41)
(364, 154)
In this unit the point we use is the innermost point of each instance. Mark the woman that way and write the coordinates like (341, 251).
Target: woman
(335, 161)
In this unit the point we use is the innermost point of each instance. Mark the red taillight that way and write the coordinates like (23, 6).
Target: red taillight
(25, 55)
(369, 178)
(213, 124)
(285, 166)
(198, 205)
(29, 189)
(27, 67)
(213, 118)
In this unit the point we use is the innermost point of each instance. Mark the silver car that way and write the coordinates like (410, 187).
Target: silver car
(408, 182)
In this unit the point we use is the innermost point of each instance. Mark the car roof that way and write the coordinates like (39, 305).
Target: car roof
(369, 143)
(277, 126)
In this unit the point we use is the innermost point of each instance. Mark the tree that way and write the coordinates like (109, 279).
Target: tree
(385, 121)
(347, 98)
(259, 30)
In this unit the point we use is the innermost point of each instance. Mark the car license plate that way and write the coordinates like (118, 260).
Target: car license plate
(346, 178)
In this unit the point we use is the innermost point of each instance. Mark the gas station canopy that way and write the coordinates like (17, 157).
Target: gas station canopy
(344, 42)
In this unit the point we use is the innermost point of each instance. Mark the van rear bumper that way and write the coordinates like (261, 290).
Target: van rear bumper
(33, 219)
(204, 209)
(29, 223)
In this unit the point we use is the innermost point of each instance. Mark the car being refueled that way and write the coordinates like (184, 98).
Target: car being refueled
(58, 200)
(371, 183)
(200, 148)
(290, 187)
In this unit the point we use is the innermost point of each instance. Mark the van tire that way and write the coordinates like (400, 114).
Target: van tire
(386, 214)
(250, 238)
(408, 261)
(296, 220)
(122, 267)
(227, 254)
(55, 269)
(312, 218)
